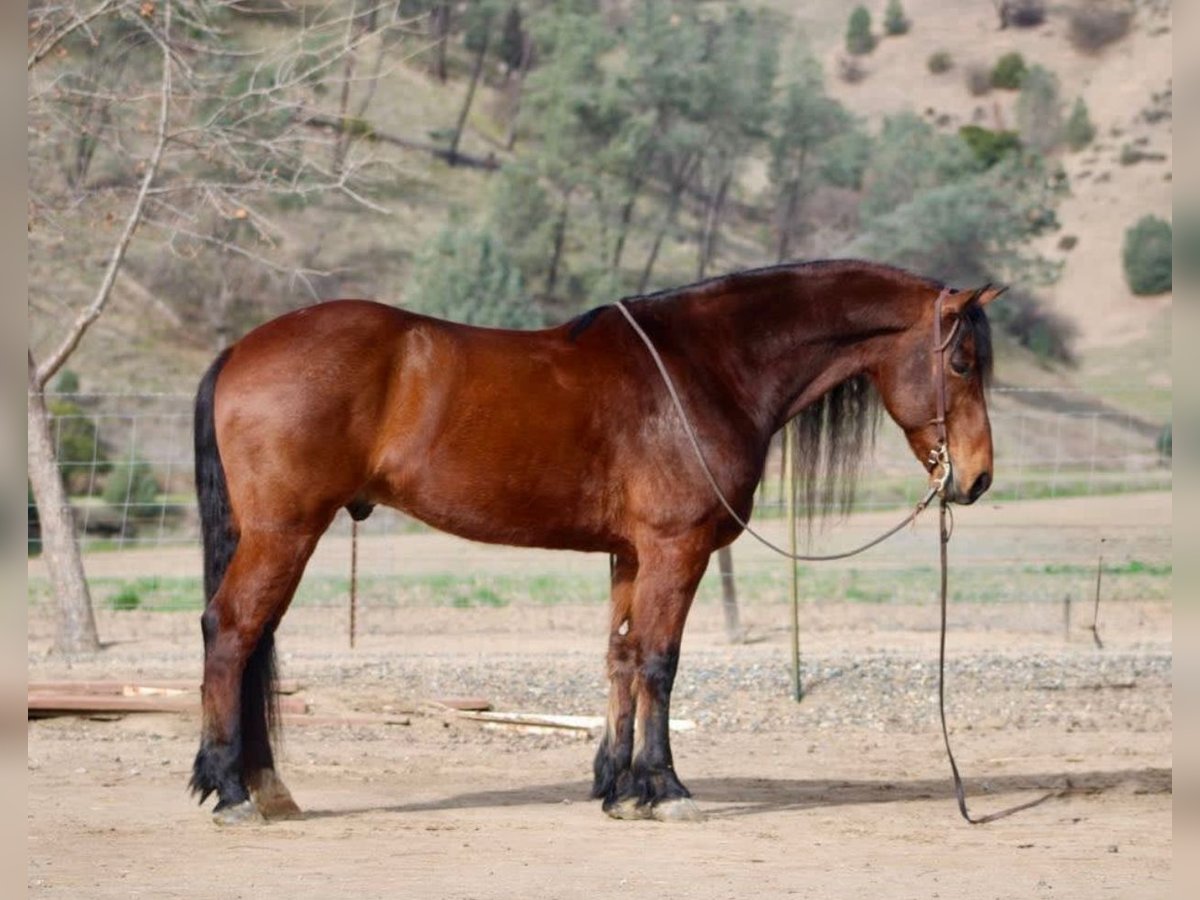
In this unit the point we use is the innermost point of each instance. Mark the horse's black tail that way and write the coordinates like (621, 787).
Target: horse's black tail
(212, 494)
(259, 712)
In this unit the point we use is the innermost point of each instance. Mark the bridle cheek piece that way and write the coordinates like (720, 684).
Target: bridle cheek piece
(938, 460)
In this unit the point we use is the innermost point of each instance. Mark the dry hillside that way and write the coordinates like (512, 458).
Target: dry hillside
(1123, 340)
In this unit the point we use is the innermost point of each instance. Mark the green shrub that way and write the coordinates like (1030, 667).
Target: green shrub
(133, 484)
(939, 62)
(1009, 72)
(894, 20)
(126, 599)
(66, 383)
(979, 80)
(1079, 130)
(989, 146)
(859, 39)
(1092, 25)
(81, 453)
(1039, 110)
(1147, 256)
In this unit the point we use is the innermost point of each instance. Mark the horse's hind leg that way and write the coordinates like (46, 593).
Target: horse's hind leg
(615, 754)
(271, 797)
(235, 754)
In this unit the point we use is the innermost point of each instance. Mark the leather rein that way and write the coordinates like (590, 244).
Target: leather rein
(940, 471)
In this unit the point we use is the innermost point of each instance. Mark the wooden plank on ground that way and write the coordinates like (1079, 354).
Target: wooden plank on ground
(526, 720)
(118, 686)
(351, 719)
(44, 704)
(464, 704)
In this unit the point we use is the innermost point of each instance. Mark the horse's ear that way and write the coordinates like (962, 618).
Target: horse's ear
(989, 292)
(956, 302)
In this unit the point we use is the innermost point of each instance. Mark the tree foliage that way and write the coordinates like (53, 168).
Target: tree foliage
(467, 275)
(973, 228)
(806, 150)
(895, 22)
(990, 146)
(1079, 130)
(910, 156)
(1039, 110)
(859, 40)
(1009, 71)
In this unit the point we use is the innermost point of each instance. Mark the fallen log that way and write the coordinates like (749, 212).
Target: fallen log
(370, 133)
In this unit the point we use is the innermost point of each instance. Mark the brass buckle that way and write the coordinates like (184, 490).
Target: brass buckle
(939, 456)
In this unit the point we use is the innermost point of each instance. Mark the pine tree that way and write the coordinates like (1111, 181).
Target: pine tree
(859, 39)
(1079, 130)
(894, 20)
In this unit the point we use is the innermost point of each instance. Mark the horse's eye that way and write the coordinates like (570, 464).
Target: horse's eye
(960, 367)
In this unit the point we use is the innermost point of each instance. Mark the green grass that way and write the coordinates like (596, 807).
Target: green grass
(978, 582)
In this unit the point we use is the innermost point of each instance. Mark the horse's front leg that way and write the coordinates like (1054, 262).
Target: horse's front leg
(615, 755)
(666, 581)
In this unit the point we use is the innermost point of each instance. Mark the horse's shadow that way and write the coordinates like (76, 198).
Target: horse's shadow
(753, 796)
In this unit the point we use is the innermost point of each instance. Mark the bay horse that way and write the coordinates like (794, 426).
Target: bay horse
(561, 438)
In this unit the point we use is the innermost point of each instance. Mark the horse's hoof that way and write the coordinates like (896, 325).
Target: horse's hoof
(683, 809)
(628, 809)
(272, 797)
(244, 813)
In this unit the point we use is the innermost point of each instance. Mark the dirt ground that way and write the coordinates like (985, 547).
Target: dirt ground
(847, 794)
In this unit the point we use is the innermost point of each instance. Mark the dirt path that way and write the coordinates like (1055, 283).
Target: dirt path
(844, 795)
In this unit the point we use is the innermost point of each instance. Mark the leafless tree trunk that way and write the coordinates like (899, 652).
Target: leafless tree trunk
(76, 621)
(476, 72)
(792, 191)
(439, 27)
(712, 225)
(560, 236)
(77, 624)
(223, 137)
(352, 124)
(626, 220)
(679, 185)
(522, 70)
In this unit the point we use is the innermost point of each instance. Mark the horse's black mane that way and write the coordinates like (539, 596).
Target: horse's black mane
(582, 322)
(836, 431)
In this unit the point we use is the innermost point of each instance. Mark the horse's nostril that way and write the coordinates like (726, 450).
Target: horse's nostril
(982, 483)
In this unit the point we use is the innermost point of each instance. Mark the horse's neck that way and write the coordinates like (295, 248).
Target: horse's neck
(782, 345)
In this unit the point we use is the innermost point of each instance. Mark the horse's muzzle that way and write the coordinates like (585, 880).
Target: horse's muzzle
(978, 489)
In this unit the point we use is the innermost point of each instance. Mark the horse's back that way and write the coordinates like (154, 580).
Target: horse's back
(357, 401)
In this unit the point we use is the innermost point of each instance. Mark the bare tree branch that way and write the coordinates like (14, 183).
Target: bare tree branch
(57, 36)
(89, 315)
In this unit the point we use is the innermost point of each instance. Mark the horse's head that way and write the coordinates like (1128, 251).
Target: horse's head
(912, 376)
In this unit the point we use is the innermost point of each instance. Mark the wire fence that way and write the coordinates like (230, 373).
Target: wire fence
(127, 463)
